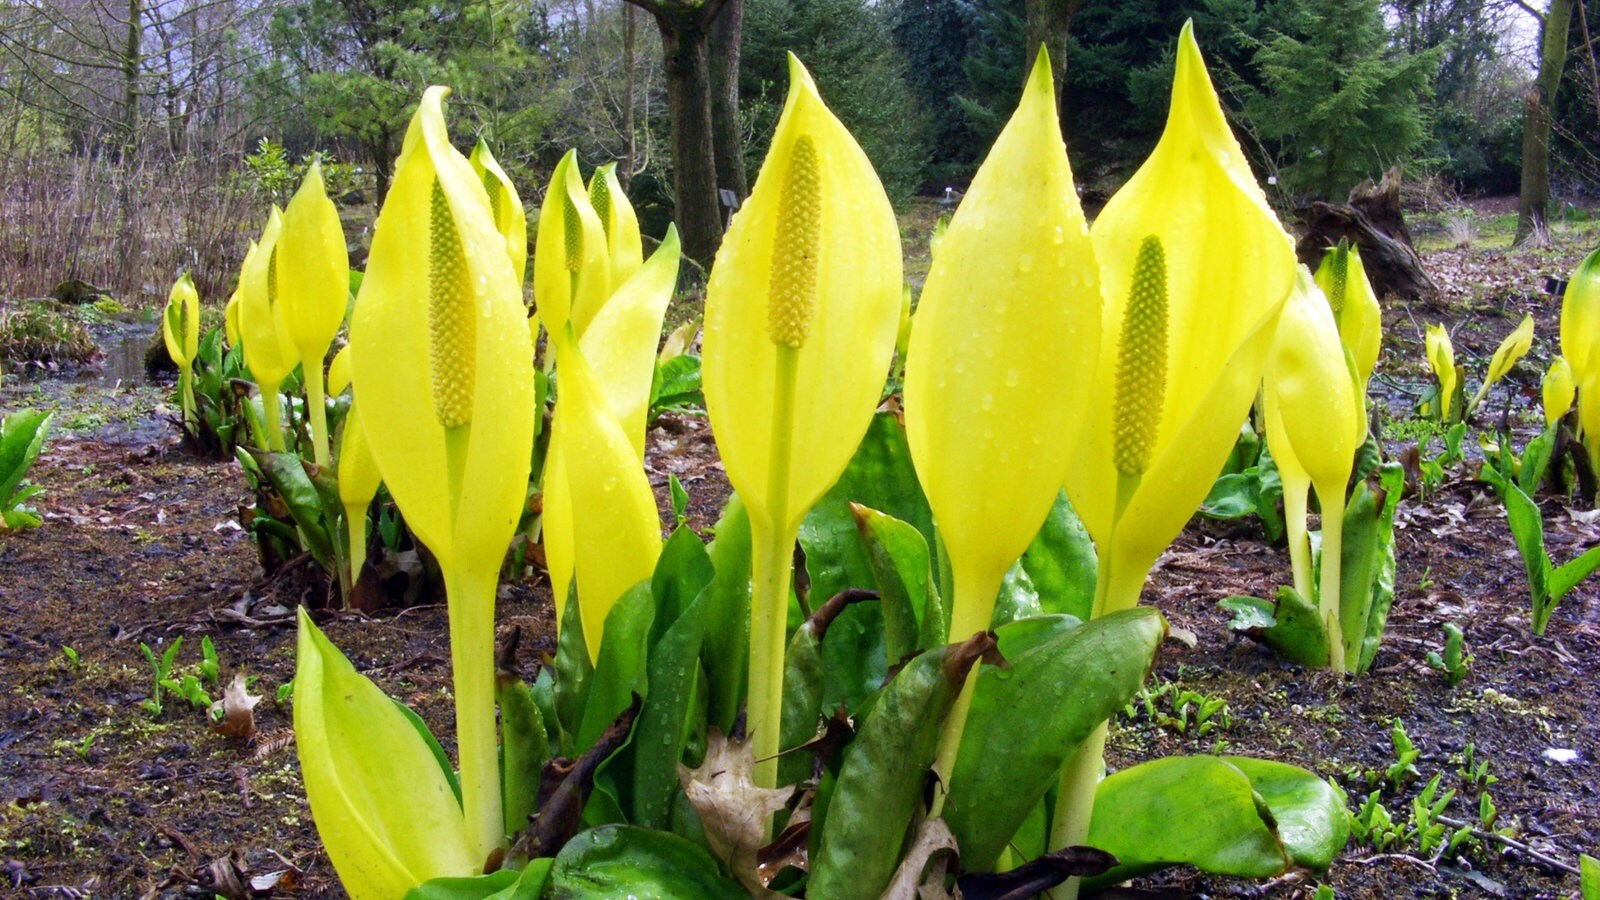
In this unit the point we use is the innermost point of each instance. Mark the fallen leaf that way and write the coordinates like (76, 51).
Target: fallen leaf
(234, 715)
(933, 836)
(734, 810)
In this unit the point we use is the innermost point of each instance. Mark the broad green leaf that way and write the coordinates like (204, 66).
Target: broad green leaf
(883, 776)
(1391, 478)
(574, 676)
(287, 474)
(726, 609)
(355, 746)
(1309, 812)
(913, 616)
(663, 727)
(1535, 459)
(1298, 636)
(1017, 598)
(621, 671)
(1567, 575)
(1061, 562)
(625, 861)
(677, 384)
(1233, 496)
(1026, 720)
(22, 436)
(1195, 810)
(1589, 877)
(682, 572)
(1249, 613)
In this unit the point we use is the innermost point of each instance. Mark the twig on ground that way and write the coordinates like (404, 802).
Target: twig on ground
(1514, 844)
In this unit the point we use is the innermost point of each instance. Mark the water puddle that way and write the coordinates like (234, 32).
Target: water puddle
(111, 401)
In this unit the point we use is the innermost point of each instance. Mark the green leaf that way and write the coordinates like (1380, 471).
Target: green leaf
(913, 615)
(621, 671)
(883, 775)
(678, 498)
(1232, 496)
(22, 436)
(1061, 562)
(627, 861)
(503, 885)
(574, 674)
(665, 721)
(1025, 721)
(676, 385)
(1527, 531)
(1567, 575)
(1195, 810)
(1589, 877)
(1017, 598)
(1310, 813)
(1249, 613)
(725, 607)
(682, 571)
(524, 748)
(1535, 459)
(287, 474)
(1367, 565)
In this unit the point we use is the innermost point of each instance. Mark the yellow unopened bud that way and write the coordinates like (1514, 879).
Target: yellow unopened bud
(792, 302)
(1141, 361)
(450, 321)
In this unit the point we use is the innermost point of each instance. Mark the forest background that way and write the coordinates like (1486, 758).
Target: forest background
(142, 137)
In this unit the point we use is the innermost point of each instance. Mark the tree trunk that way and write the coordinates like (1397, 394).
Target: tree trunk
(684, 47)
(630, 152)
(1047, 22)
(1533, 201)
(727, 139)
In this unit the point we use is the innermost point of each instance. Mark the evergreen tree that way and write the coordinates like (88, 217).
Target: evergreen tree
(935, 35)
(1341, 102)
(849, 47)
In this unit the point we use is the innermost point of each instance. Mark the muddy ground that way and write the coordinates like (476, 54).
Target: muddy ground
(142, 543)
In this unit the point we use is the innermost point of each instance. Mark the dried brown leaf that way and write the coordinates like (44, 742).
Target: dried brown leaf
(734, 811)
(234, 715)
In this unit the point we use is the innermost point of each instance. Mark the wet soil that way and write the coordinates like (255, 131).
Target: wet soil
(142, 544)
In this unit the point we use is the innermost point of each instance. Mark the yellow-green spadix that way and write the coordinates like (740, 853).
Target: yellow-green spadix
(442, 363)
(1227, 267)
(624, 249)
(801, 314)
(1003, 353)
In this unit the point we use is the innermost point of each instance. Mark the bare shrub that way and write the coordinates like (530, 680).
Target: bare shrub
(1461, 232)
(128, 228)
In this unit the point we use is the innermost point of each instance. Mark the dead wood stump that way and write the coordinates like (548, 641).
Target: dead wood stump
(1374, 223)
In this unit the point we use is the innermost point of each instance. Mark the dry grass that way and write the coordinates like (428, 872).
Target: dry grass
(130, 229)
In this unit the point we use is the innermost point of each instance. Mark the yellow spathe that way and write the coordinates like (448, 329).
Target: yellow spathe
(1229, 266)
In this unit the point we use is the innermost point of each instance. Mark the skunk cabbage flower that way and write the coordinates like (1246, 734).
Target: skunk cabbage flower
(339, 372)
(1442, 360)
(571, 272)
(1557, 390)
(313, 272)
(230, 312)
(382, 804)
(1194, 269)
(603, 516)
(1580, 346)
(358, 481)
(624, 248)
(620, 345)
(801, 313)
(1513, 348)
(180, 323)
(268, 353)
(1003, 353)
(1343, 280)
(180, 331)
(1315, 424)
(442, 366)
(505, 206)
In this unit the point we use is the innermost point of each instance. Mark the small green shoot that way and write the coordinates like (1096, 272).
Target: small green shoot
(1455, 659)
(71, 656)
(189, 688)
(1474, 772)
(1373, 824)
(1425, 829)
(679, 499)
(82, 747)
(1404, 768)
(210, 668)
(284, 692)
(1547, 582)
(161, 670)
